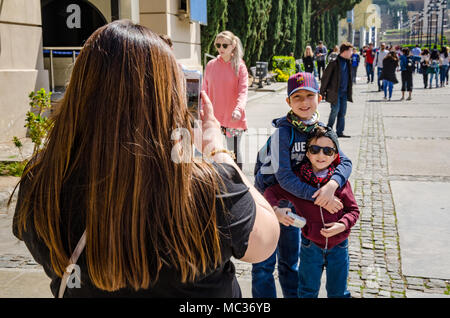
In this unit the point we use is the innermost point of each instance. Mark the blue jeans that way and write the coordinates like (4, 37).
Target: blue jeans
(443, 72)
(369, 70)
(338, 110)
(263, 283)
(313, 260)
(388, 85)
(379, 81)
(431, 79)
(354, 72)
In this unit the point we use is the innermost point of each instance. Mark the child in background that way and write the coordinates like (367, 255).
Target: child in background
(324, 241)
(355, 64)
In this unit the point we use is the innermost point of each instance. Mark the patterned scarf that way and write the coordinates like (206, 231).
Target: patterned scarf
(307, 174)
(304, 126)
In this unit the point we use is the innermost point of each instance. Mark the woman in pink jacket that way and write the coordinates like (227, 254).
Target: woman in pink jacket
(226, 84)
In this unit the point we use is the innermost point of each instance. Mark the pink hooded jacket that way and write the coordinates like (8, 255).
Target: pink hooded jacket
(226, 91)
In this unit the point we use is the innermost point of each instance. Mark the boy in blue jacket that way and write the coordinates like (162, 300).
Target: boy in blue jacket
(286, 151)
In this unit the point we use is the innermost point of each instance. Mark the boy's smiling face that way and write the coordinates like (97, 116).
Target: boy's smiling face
(304, 103)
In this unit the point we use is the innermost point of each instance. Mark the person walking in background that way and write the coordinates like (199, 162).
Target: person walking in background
(336, 87)
(390, 64)
(321, 54)
(424, 62)
(407, 66)
(433, 67)
(448, 61)
(379, 57)
(416, 52)
(370, 56)
(443, 65)
(308, 60)
(355, 64)
(226, 83)
(111, 177)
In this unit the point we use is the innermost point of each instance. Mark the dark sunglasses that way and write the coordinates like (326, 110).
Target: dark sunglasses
(224, 45)
(328, 151)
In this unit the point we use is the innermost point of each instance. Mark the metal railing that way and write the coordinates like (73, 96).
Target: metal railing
(64, 51)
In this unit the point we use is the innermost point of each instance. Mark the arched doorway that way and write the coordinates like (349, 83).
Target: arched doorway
(69, 22)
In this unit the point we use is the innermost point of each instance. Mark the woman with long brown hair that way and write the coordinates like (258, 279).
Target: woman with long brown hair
(152, 225)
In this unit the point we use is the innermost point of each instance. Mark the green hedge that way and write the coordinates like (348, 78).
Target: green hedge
(284, 66)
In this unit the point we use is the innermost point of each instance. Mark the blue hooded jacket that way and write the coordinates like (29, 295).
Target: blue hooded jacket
(278, 166)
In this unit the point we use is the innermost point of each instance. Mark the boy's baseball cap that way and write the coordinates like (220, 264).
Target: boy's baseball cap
(302, 80)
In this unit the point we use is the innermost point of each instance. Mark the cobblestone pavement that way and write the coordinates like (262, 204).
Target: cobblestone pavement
(375, 269)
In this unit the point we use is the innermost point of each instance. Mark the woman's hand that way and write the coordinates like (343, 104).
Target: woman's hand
(236, 115)
(332, 229)
(282, 216)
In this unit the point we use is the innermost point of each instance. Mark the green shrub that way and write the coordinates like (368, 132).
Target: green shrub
(284, 66)
(38, 127)
(13, 168)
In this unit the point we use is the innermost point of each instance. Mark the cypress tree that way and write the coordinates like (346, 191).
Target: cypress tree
(241, 21)
(273, 30)
(289, 27)
(217, 18)
(258, 31)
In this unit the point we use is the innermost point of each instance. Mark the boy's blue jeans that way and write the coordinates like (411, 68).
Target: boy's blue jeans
(388, 85)
(312, 261)
(338, 110)
(263, 283)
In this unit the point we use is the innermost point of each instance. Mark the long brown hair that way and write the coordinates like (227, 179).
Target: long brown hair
(113, 128)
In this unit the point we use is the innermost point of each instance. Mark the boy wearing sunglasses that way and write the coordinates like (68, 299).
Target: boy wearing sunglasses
(325, 235)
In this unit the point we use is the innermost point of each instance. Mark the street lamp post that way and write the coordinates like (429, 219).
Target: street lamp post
(421, 27)
(428, 25)
(414, 28)
(436, 27)
(434, 7)
(444, 7)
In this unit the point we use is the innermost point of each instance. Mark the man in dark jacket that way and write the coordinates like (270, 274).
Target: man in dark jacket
(336, 87)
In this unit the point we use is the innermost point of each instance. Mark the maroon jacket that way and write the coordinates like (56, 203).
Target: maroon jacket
(311, 212)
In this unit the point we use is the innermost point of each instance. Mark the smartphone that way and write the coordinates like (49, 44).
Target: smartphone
(193, 89)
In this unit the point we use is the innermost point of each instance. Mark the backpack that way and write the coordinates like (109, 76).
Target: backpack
(262, 158)
(410, 64)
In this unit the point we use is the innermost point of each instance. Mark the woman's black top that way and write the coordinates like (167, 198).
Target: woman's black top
(235, 224)
(308, 63)
(389, 67)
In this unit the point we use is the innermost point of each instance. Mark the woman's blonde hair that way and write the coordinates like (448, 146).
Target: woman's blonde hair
(109, 154)
(238, 52)
(308, 51)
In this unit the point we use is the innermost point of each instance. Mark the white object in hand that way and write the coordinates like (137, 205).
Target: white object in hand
(298, 220)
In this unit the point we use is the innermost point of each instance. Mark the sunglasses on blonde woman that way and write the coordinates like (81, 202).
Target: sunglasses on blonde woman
(224, 45)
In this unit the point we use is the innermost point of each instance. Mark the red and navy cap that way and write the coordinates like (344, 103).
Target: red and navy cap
(302, 80)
